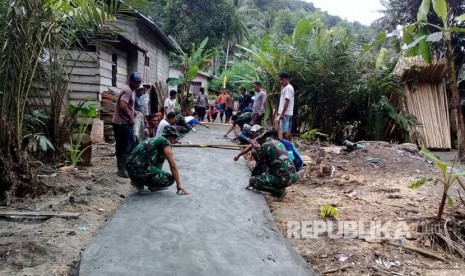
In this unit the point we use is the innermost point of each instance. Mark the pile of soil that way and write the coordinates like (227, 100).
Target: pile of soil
(39, 246)
(367, 192)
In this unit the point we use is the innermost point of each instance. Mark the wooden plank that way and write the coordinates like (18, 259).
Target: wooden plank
(6, 213)
(84, 87)
(79, 63)
(105, 81)
(94, 79)
(121, 77)
(108, 65)
(84, 95)
(105, 73)
(84, 71)
(103, 54)
(217, 124)
(83, 56)
(122, 70)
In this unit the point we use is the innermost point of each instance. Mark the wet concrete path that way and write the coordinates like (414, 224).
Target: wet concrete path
(219, 229)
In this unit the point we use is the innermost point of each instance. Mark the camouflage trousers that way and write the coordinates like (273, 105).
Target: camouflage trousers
(152, 177)
(272, 183)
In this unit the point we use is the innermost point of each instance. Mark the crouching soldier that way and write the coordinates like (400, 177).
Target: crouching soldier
(275, 171)
(239, 119)
(146, 161)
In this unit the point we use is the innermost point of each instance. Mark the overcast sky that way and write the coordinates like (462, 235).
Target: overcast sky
(363, 11)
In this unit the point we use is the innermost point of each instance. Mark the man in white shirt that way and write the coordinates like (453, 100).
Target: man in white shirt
(168, 121)
(286, 107)
(170, 103)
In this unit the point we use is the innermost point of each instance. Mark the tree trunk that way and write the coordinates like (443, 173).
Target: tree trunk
(185, 100)
(441, 206)
(453, 86)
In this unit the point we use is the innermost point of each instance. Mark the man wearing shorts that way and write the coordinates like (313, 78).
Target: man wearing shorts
(286, 107)
(229, 104)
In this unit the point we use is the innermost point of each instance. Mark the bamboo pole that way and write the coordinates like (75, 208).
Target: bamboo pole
(209, 145)
(216, 124)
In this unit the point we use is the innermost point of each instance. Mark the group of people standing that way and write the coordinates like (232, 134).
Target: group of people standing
(276, 157)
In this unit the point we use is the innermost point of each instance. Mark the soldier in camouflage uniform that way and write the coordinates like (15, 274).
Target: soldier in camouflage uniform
(181, 125)
(240, 119)
(274, 170)
(146, 161)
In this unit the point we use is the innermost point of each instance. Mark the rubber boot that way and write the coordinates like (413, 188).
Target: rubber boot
(141, 189)
(122, 160)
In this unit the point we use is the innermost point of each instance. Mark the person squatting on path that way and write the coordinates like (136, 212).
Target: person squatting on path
(239, 119)
(123, 122)
(274, 171)
(168, 121)
(152, 125)
(185, 124)
(246, 137)
(212, 113)
(146, 161)
(286, 107)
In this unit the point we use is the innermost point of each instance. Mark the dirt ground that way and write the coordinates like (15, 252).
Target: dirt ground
(52, 246)
(367, 193)
(360, 191)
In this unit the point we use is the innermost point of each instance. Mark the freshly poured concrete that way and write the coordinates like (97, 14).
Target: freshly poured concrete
(219, 229)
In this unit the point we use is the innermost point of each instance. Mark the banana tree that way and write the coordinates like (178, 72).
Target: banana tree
(189, 64)
(448, 178)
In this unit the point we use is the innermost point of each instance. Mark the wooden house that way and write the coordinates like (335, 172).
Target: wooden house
(141, 47)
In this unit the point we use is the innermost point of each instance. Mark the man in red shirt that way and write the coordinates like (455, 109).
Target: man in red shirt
(221, 101)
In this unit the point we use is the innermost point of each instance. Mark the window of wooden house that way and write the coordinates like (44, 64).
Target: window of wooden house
(147, 68)
(114, 69)
(147, 61)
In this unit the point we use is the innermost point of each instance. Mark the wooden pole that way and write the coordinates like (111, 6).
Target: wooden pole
(216, 124)
(209, 145)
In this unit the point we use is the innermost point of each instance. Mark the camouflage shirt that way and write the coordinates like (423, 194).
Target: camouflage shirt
(149, 153)
(246, 117)
(273, 154)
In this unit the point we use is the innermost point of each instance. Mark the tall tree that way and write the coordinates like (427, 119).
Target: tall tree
(190, 21)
